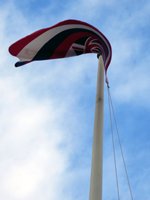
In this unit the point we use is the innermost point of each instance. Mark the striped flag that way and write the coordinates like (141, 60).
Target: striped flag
(65, 39)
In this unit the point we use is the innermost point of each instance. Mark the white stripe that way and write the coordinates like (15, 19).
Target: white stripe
(31, 49)
(71, 52)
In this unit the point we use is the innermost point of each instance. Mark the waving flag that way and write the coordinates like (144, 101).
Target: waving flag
(65, 39)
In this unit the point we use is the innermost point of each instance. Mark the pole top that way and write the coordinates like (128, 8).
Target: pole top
(98, 55)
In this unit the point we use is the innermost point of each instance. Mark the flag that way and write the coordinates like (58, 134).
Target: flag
(65, 39)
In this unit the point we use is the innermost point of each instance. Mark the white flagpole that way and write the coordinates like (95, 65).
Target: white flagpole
(97, 149)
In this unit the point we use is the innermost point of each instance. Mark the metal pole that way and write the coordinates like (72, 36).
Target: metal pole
(97, 149)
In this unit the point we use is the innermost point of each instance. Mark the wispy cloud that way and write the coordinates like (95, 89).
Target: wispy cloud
(31, 142)
(129, 71)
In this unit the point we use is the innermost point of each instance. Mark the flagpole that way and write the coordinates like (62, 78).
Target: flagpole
(97, 149)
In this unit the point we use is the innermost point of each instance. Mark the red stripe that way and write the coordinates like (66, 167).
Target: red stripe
(63, 48)
(71, 21)
(15, 48)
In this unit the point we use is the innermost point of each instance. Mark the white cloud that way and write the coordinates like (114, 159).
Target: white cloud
(29, 152)
(129, 71)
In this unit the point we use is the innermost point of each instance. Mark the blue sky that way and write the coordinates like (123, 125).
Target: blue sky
(47, 108)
